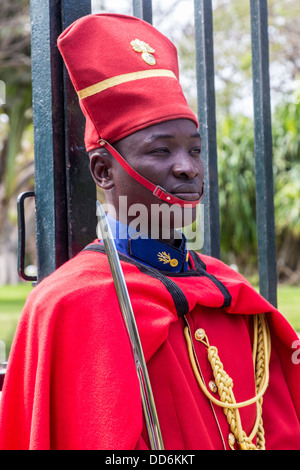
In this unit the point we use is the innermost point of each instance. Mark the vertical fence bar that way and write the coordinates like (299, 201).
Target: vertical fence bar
(142, 9)
(64, 191)
(80, 190)
(207, 123)
(263, 151)
(51, 227)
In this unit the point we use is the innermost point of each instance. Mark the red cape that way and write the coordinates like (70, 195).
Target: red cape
(71, 381)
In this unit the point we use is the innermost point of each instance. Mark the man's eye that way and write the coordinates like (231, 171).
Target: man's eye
(160, 151)
(196, 151)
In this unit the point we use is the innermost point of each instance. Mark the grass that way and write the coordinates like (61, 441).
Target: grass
(289, 304)
(12, 299)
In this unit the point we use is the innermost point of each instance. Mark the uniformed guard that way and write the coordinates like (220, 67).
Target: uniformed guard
(219, 356)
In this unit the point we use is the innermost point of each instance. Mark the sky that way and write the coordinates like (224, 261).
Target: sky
(169, 16)
(166, 23)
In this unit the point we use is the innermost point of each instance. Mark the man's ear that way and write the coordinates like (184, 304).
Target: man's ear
(100, 167)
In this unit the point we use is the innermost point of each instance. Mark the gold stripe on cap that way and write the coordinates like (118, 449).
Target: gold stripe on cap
(126, 77)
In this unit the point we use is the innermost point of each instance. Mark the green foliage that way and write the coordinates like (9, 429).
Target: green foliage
(286, 138)
(16, 73)
(237, 188)
(237, 182)
(16, 150)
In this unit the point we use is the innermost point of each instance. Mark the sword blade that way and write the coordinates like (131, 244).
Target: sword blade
(148, 403)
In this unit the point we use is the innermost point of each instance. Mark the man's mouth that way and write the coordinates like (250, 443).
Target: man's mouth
(187, 196)
(187, 192)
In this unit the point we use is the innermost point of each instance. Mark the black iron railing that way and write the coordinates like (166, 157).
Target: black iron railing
(65, 194)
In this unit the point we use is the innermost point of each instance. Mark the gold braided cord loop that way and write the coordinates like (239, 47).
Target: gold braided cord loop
(224, 383)
(261, 359)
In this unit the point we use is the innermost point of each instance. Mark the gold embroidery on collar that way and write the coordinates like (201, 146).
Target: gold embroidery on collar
(166, 258)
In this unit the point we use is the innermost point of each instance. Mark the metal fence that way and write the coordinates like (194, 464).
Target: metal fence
(64, 193)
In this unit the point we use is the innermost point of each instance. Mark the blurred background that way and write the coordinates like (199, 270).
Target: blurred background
(234, 112)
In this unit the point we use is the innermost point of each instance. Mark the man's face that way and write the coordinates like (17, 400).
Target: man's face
(167, 154)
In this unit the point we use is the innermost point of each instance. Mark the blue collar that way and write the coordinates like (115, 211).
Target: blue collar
(151, 252)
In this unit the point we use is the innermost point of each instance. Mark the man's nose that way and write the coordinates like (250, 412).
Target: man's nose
(185, 166)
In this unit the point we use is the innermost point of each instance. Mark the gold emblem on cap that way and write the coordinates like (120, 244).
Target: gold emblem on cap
(145, 49)
(166, 258)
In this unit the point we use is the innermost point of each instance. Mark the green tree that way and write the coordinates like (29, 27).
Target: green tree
(286, 136)
(237, 190)
(16, 117)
